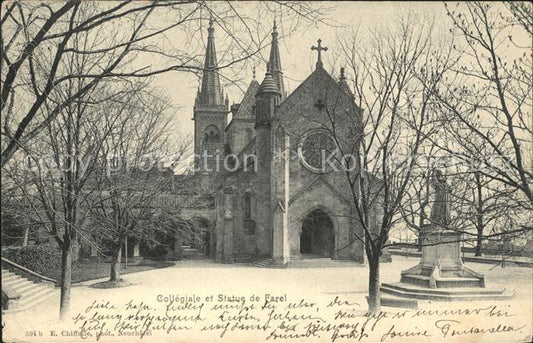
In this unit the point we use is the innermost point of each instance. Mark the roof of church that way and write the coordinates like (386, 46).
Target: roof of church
(319, 70)
(247, 102)
(210, 93)
(269, 85)
(275, 61)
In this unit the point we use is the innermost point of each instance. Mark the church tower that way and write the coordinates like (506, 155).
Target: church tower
(275, 62)
(269, 95)
(210, 114)
(267, 98)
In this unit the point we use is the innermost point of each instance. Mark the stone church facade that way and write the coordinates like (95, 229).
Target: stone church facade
(273, 200)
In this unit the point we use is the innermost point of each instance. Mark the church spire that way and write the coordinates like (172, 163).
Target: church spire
(344, 84)
(275, 61)
(210, 93)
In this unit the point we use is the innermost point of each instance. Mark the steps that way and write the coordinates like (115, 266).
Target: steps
(320, 263)
(31, 293)
(404, 290)
(264, 263)
(392, 301)
(445, 282)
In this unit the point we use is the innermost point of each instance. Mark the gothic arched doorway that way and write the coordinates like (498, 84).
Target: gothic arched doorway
(318, 237)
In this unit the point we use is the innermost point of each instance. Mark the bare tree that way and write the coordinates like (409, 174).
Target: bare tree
(61, 165)
(487, 97)
(17, 222)
(131, 180)
(396, 113)
(521, 14)
(485, 201)
(59, 62)
(417, 200)
(485, 110)
(120, 33)
(477, 202)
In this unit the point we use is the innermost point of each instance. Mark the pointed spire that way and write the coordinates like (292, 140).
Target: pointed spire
(275, 61)
(210, 92)
(343, 84)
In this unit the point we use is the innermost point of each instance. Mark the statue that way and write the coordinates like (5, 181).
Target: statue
(440, 212)
(441, 274)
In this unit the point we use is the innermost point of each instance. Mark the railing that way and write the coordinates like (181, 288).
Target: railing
(31, 274)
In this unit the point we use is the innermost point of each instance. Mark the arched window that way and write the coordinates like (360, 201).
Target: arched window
(249, 135)
(212, 134)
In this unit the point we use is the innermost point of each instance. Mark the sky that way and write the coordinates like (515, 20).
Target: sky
(297, 59)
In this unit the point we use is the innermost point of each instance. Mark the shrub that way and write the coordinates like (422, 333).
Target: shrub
(157, 252)
(37, 258)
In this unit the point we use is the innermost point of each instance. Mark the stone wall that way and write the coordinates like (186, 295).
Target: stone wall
(204, 119)
(306, 109)
(239, 134)
(329, 191)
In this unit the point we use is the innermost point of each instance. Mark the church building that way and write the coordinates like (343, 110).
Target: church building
(277, 197)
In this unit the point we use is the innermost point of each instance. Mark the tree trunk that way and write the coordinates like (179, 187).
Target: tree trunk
(66, 278)
(25, 236)
(479, 215)
(115, 264)
(479, 242)
(374, 298)
(75, 250)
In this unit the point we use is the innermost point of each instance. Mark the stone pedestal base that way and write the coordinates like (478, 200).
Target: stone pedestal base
(441, 275)
(441, 265)
(442, 249)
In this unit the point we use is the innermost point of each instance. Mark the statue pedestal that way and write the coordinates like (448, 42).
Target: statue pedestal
(442, 249)
(441, 264)
(441, 274)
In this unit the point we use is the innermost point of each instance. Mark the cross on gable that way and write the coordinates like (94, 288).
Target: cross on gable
(319, 48)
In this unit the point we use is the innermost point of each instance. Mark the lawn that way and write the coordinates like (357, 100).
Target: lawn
(84, 270)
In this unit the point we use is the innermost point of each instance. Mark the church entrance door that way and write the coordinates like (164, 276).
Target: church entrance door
(317, 238)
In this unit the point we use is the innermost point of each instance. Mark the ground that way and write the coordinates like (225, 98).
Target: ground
(319, 296)
(84, 270)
